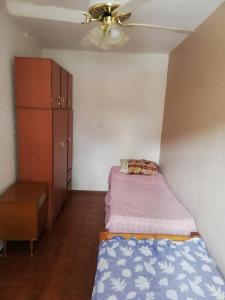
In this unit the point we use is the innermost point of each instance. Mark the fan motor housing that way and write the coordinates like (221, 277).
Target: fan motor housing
(100, 11)
(119, 2)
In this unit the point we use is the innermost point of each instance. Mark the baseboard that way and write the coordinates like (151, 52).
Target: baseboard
(88, 192)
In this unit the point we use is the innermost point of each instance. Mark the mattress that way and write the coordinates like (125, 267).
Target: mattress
(156, 269)
(144, 204)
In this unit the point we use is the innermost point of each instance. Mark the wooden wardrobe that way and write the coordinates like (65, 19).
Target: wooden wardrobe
(45, 127)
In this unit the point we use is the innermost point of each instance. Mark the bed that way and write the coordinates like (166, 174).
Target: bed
(155, 268)
(144, 204)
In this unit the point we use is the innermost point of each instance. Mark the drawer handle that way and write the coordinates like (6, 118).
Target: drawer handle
(62, 100)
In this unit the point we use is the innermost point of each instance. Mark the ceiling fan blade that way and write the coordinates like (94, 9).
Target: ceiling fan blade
(157, 27)
(22, 9)
(130, 6)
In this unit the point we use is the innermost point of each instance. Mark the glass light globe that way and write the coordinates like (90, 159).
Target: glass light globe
(115, 33)
(116, 37)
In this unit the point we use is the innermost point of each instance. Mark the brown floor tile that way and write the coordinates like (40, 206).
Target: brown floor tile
(63, 267)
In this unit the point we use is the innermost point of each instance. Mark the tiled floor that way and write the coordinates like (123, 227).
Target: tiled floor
(64, 264)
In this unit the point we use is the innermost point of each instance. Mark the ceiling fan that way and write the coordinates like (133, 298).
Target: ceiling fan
(112, 16)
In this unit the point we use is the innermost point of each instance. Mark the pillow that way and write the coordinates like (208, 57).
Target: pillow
(143, 167)
(124, 165)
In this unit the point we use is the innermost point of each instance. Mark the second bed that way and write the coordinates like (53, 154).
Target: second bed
(144, 204)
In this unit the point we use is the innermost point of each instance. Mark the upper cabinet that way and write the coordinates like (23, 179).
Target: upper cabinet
(42, 83)
(33, 82)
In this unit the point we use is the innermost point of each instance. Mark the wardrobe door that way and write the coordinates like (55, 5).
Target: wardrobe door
(70, 144)
(64, 89)
(33, 82)
(60, 123)
(56, 96)
(70, 90)
(34, 144)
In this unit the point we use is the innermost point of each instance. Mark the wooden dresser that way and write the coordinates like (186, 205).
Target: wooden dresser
(45, 127)
(23, 212)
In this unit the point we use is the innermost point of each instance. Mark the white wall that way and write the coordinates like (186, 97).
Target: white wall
(12, 43)
(193, 138)
(118, 108)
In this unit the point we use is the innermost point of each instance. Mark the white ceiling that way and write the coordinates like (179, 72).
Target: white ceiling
(179, 13)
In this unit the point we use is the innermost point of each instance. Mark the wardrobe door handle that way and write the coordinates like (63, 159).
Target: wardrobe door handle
(59, 101)
(62, 100)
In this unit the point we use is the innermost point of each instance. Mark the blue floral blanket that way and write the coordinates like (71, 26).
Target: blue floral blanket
(156, 269)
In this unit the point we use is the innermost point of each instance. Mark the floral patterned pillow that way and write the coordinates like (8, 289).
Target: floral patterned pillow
(143, 167)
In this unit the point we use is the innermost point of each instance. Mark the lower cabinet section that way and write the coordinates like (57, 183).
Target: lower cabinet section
(34, 143)
(43, 153)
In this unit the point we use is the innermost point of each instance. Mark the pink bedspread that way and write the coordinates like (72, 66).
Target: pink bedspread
(144, 204)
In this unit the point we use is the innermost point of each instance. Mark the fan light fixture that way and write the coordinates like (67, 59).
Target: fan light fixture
(105, 37)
